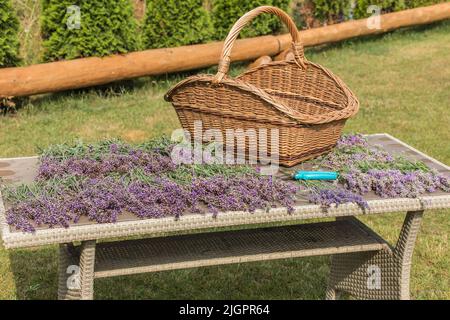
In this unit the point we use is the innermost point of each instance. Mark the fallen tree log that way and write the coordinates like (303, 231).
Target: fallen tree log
(86, 72)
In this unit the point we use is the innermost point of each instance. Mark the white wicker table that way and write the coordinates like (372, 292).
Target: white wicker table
(359, 254)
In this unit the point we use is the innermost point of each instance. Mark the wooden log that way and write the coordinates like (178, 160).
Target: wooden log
(86, 72)
(357, 28)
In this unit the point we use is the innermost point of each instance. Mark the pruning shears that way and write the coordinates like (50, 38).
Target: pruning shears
(316, 175)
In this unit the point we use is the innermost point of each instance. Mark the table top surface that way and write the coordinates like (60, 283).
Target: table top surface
(23, 170)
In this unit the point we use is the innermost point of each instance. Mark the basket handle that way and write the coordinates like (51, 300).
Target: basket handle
(297, 46)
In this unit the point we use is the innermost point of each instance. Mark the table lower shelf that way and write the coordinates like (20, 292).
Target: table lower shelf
(207, 249)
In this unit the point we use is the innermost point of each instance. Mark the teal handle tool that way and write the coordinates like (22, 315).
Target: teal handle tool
(315, 175)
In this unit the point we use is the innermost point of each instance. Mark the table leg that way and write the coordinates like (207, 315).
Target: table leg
(87, 262)
(76, 271)
(382, 274)
(68, 274)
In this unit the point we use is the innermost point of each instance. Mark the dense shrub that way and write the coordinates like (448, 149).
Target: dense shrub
(226, 12)
(9, 27)
(389, 6)
(362, 6)
(106, 27)
(409, 4)
(171, 23)
(331, 11)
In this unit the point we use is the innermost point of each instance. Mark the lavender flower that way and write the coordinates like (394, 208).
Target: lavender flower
(328, 197)
(243, 193)
(352, 140)
(107, 164)
(394, 183)
(104, 199)
(105, 180)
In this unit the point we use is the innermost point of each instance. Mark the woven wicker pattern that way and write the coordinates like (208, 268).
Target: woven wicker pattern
(68, 256)
(87, 261)
(198, 222)
(200, 250)
(350, 272)
(356, 249)
(188, 251)
(306, 102)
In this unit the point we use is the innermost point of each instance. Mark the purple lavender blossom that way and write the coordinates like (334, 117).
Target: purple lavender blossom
(104, 199)
(352, 140)
(110, 163)
(328, 197)
(394, 183)
(113, 179)
(243, 193)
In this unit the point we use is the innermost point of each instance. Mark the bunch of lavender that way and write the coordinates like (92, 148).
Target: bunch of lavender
(326, 195)
(101, 200)
(394, 183)
(351, 141)
(354, 152)
(363, 169)
(104, 199)
(249, 192)
(31, 213)
(112, 162)
(104, 180)
(329, 197)
(79, 149)
(159, 199)
(116, 158)
(185, 174)
(349, 150)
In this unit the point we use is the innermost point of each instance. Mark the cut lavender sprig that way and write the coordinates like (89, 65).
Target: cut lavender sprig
(394, 183)
(102, 181)
(111, 163)
(329, 197)
(104, 200)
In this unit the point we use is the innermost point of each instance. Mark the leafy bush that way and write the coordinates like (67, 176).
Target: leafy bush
(386, 6)
(106, 27)
(330, 11)
(361, 9)
(171, 23)
(226, 12)
(9, 43)
(420, 3)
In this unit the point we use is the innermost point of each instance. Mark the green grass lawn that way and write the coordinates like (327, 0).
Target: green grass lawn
(403, 82)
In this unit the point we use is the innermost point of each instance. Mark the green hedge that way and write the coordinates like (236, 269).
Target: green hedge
(362, 6)
(171, 23)
(389, 6)
(421, 3)
(226, 12)
(331, 10)
(106, 27)
(9, 29)
(336, 10)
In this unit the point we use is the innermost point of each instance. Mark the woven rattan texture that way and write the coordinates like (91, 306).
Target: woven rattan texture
(350, 272)
(306, 102)
(187, 251)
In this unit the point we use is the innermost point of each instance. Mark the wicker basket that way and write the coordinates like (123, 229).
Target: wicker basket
(307, 103)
